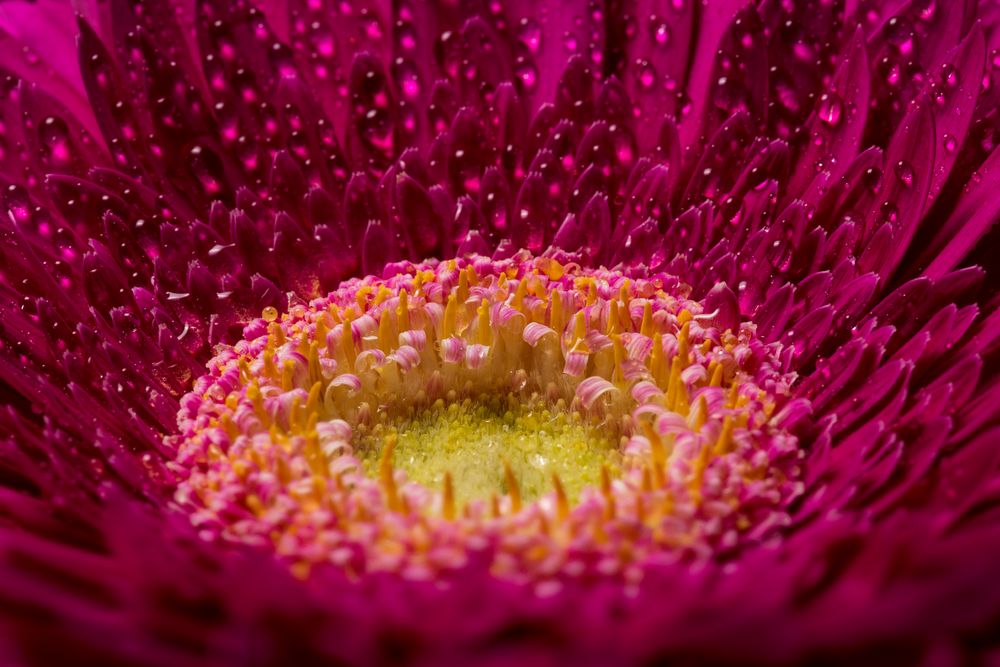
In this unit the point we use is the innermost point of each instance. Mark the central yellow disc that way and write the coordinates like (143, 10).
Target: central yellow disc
(527, 409)
(476, 440)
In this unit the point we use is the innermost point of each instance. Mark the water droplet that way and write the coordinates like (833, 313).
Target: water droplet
(831, 109)
(55, 141)
(661, 33)
(904, 172)
(949, 75)
(892, 72)
(890, 213)
(530, 34)
(406, 78)
(925, 9)
(322, 40)
(950, 143)
(405, 37)
(372, 29)
(987, 142)
(646, 74)
(207, 168)
(528, 75)
(872, 178)
(899, 33)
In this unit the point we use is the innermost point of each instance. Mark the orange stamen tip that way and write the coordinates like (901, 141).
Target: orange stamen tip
(513, 490)
(387, 472)
(448, 498)
(562, 502)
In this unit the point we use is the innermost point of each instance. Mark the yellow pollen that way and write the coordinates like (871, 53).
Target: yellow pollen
(474, 442)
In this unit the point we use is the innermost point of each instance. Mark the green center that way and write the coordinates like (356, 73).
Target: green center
(473, 439)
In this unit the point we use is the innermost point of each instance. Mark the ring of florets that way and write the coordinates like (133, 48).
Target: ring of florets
(560, 419)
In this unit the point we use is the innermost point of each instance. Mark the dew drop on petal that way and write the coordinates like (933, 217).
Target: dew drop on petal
(530, 34)
(899, 33)
(949, 75)
(406, 79)
(925, 9)
(831, 109)
(55, 139)
(904, 172)
(527, 74)
(646, 75)
(890, 213)
(872, 178)
(570, 42)
(661, 33)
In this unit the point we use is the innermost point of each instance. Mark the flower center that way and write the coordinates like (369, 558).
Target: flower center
(481, 442)
(563, 420)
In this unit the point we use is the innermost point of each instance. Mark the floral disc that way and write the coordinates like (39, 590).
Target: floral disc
(559, 420)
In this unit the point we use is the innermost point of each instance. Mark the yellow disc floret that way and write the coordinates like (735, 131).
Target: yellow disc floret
(472, 440)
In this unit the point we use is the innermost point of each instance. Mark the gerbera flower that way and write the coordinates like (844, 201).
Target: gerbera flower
(597, 333)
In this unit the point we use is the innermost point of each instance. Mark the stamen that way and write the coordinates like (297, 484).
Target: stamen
(448, 503)
(387, 472)
(513, 490)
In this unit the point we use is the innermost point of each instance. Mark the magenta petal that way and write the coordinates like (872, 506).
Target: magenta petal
(722, 304)
(662, 49)
(902, 198)
(711, 30)
(838, 123)
(976, 213)
(528, 224)
(960, 84)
